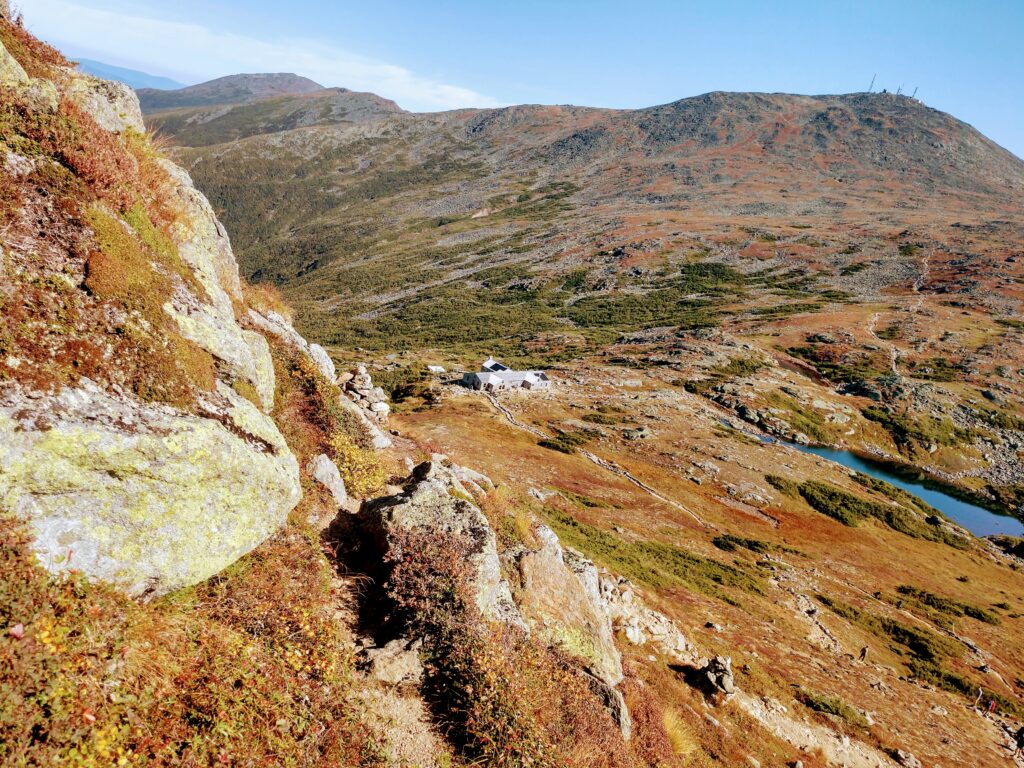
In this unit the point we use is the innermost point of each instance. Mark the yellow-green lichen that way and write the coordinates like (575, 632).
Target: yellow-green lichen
(164, 503)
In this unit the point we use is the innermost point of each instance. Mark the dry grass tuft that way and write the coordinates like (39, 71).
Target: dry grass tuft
(36, 57)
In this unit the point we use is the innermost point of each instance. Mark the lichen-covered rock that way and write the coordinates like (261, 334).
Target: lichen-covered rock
(143, 496)
(627, 611)
(210, 320)
(325, 472)
(203, 242)
(42, 94)
(323, 361)
(222, 337)
(563, 613)
(146, 496)
(475, 482)
(11, 72)
(271, 322)
(427, 503)
(114, 106)
(562, 604)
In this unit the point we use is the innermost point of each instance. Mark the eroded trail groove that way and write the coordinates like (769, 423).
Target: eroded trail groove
(604, 464)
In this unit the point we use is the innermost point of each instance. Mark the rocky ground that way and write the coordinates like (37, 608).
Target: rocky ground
(697, 475)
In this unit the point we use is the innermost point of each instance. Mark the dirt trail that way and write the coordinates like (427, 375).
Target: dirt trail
(604, 464)
(919, 284)
(399, 716)
(838, 749)
(894, 353)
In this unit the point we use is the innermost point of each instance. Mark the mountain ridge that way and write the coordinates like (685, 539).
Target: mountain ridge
(131, 77)
(231, 89)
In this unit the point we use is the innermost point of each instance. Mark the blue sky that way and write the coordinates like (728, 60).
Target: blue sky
(965, 57)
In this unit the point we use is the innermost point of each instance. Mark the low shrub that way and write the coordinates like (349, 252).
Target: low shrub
(948, 605)
(906, 429)
(835, 502)
(246, 669)
(363, 472)
(784, 484)
(834, 706)
(921, 644)
(36, 57)
(506, 701)
(896, 493)
(850, 510)
(565, 442)
(729, 543)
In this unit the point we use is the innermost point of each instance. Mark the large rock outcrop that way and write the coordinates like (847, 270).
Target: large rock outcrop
(559, 601)
(147, 495)
(563, 612)
(638, 623)
(114, 106)
(140, 495)
(428, 503)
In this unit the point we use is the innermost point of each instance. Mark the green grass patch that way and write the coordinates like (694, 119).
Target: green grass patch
(653, 563)
(896, 494)
(924, 430)
(834, 706)
(850, 510)
(566, 442)
(915, 643)
(947, 605)
(806, 420)
(845, 369)
(784, 484)
(585, 502)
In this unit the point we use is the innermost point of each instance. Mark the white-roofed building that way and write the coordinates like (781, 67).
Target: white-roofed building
(493, 377)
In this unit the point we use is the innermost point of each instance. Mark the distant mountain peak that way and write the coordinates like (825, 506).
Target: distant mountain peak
(232, 89)
(131, 77)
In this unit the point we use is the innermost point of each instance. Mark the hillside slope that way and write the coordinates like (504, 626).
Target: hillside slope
(154, 413)
(216, 549)
(199, 126)
(233, 89)
(824, 228)
(193, 569)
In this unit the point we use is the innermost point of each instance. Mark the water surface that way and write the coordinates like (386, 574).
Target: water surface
(976, 519)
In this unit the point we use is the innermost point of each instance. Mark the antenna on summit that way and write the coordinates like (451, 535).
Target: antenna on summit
(914, 94)
(872, 86)
(899, 90)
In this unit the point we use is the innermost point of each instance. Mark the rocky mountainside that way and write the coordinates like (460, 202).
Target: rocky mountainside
(233, 89)
(181, 562)
(200, 126)
(823, 225)
(829, 170)
(216, 549)
(709, 283)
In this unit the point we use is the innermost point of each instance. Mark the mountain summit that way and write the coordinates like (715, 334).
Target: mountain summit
(233, 89)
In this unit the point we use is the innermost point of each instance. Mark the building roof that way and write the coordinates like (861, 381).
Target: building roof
(490, 364)
(493, 372)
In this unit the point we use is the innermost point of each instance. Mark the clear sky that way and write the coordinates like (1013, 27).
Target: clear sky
(966, 57)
